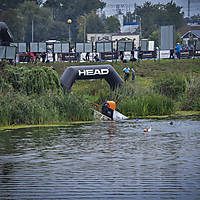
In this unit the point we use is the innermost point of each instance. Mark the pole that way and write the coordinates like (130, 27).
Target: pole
(69, 34)
(84, 34)
(188, 8)
(32, 30)
(69, 21)
(140, 27)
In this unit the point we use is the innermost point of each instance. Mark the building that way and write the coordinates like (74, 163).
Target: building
(127, 27)
(191, 39)
(114, 37)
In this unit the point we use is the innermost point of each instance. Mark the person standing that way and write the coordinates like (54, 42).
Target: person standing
(133, 74)
(87, 57)
(178, 51)
(126, 71)
(43, 57)
(171, 54)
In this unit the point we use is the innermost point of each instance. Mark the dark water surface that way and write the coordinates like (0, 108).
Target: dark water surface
(104, 160)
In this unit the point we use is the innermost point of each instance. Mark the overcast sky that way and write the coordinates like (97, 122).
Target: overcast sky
(129, 4)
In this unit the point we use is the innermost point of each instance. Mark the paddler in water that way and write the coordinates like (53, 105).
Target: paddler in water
(108, 108)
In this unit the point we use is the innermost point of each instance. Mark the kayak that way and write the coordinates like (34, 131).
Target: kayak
(116, 116)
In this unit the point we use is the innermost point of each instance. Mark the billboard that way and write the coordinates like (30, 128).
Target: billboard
(33, 47)
(125, 46)
(22, 47)
(57, 48)
(42, 47)
(7, 52)
(65, 47)
(167, 37)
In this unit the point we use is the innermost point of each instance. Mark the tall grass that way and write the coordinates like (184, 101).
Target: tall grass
(16, 108)
(153, 104)
(172, 85)
(33, 94)
(191, 97)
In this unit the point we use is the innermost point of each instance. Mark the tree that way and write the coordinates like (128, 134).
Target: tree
(154, 16)
(30, 12)
(14, 22)
(112, 25)
(94, 24)
(155, 36)
(147, 14)
(64, 9)
(174, 15)
(58, 31)
(7, 4)
(129, 17)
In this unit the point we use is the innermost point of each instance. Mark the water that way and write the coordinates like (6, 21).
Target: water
(103, 160)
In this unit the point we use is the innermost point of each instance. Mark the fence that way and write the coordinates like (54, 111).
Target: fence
(106, 51)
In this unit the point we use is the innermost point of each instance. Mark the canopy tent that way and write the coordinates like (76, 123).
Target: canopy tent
(91, 72)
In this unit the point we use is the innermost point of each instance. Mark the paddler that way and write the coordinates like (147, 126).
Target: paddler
(108, 108)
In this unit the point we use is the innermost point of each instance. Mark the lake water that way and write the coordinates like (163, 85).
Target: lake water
(102, 160)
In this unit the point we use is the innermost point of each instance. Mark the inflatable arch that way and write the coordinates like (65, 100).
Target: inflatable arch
(91, 72)
(5, 35)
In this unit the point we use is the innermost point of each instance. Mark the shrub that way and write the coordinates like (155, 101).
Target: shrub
(16, 108)
(149, 104)
(29, 81)
(191, 98)
(171, 85)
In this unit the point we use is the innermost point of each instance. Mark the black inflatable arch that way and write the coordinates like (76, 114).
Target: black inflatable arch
(5, 35)
(91, 72)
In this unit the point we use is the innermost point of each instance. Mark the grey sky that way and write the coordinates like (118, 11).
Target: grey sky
(129, 4)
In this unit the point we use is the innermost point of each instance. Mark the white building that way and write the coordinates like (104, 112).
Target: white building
(127, 27)
(114, 37)
(191, 38)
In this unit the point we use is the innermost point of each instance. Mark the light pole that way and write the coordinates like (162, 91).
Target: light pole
(140, 29)
(84, 31)
(140, 25)
(69, 21)
(32, 30)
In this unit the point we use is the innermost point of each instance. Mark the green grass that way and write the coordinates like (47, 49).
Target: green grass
(32, 94)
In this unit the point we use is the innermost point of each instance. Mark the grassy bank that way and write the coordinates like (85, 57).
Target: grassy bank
(32, 94)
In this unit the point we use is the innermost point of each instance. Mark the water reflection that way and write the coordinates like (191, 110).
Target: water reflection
(103, 160)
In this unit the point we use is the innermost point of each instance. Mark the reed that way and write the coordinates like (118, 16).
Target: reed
(191, 98)
(172, 85)
(153, 104)
(16, 108)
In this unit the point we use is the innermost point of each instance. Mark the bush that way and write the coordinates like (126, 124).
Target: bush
(149, 104)
(29, 81)
(171, 85)
(191, 98)
(16, 108)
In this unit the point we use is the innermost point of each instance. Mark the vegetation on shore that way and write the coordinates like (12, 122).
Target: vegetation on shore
(32, 94)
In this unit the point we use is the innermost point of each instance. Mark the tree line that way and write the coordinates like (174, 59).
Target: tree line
(50, 18)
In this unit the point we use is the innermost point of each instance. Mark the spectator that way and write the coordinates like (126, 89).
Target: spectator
(171, 54)
(43, 57)
(97, 59)
(87, 57)
(132, 58)
(121, 56)
(126, 71)
(178, 51)
(133, 74)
